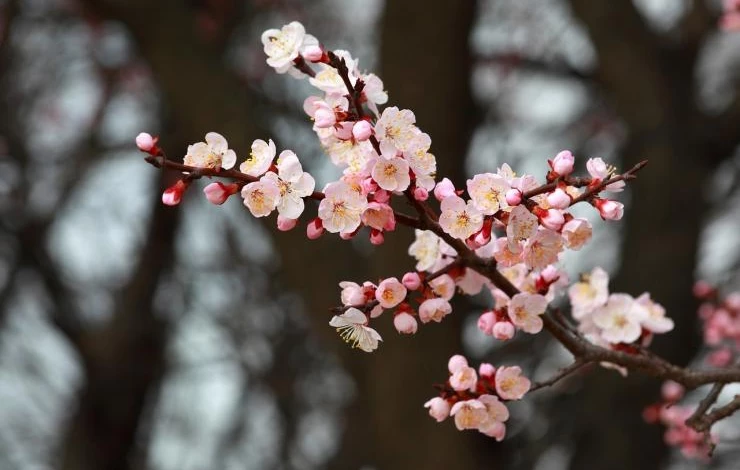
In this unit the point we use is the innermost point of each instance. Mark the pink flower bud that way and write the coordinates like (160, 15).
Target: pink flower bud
(732, 301)
(486, 322)
(369, 185)
(553, 220)
(313, 53)
(382, 196)
(173, 195)
(702, 289)
(324, 117)
(562, 164)
(421, 194)
(456, 363)
(314, 229)
(411, 280)
(405, 323)
(343, 130)
(503, 330)
(444, 189)
(671, 391)
(608, 209)
(486, 370)
(347, 235)
(217, 193)
(362, 130)
(376, 237)
(285, 224)
(513, 197)
(550, 274)
(439, 409)
(482, 238)
(558, 199)
(146, 142)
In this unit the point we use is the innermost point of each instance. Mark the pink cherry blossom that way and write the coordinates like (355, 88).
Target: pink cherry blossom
(411, 280)
(563, 162)
(486, 370)
(444, 189)
(553, 219)
(558, 199)
(458, 218)
(213, 153)
(379, 216)
(488, 192)
(543, 249)
(464, 378)
(503, 330)
(439, 409)
(173, 195)
(608, 209)
(434, 309)
(314, 229)
(390, 292)
(522, 226)
(146, 142)
(510, 384)
(591, 293)
(341, 208)
(405, 323)
(576, 232)
(620, 319)
(285, 224)
(456, 363)
(362, 130)
(513, 197)
(282, 46)
(443, 286)
(217, 193)
(469, 414)
(486, 322)
(525, 311)
(260, 158)
(352, 327)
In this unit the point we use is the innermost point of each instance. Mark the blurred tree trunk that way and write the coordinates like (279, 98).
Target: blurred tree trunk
(650, 84)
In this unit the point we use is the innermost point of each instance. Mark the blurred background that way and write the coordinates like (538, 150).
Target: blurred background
(139, 336)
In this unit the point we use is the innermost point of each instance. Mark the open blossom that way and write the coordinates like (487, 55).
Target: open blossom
(464, 378)
(261, 197)
(576, 232)
(488, 192)
(379, 216)
(260, 158)
(395, 129)
(543, 249)
(213, 153)
(521, 227)
(458, 218)
(341, 209)
(423, 163)
(469, 414)
(656, 321)
(601, 171)
(434, 310)
(405, 323)
(510, 384)
(294, 184)
(352, 326)
(589, 294)
(525, 310)
(497, 415)
(390, 292)
(620, 319)
(426, 249)
(282, 46)
(443, 286)
(391, 174)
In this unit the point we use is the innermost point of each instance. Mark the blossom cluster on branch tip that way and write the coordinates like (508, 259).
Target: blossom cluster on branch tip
(503, 234)
(477, 400)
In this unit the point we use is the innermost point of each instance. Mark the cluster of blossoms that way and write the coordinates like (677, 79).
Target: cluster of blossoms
(477, 400)
(503, 234)
(720, 317)
(667, 412)
(730, 20)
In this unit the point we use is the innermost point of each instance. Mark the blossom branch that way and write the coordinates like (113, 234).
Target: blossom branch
(560, 374)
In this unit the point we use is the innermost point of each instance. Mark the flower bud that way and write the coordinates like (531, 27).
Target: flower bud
(456, 363)
(381, 195)
(486, 322)
(362, 130)
(671, 391)
(285, 224)
(608, 209)
(313, 53)
(486, 370)
(173, 195)
(558, 199)
(553, 219)
(405, 323)
(503, 330)
(314, 229)
(376, 237)
(562, 164)
(146, 142)
(439, 409)
(444, 189)
(421, 194)
(324, 117)
(513, 197)
(217, 193)
(411, 280)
